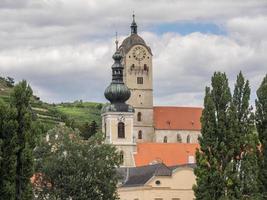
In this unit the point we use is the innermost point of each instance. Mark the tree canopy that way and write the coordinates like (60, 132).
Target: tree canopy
(72, 168)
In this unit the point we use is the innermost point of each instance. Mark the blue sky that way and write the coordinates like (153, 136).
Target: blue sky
(185, 28)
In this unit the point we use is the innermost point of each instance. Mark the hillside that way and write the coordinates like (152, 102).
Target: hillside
(77, 113)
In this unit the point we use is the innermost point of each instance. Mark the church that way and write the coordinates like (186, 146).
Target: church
(145, 134)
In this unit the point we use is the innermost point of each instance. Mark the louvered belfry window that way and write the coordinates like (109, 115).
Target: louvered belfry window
(121, 130)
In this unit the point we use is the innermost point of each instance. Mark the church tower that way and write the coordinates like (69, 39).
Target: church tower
(137, 62)
(118, 117)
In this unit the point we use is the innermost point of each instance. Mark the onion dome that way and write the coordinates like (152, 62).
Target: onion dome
(117, 92)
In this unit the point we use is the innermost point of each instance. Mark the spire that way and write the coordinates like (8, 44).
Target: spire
(116, 42)
(133, 26)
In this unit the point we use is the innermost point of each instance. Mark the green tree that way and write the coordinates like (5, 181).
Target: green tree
(88, 130)
(245, 165)
(213, 157)
(8, 128)
(25, 140)
(72, 168)
(261, 123)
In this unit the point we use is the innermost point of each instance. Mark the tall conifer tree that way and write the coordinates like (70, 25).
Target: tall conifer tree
(8, 128)
(245, 167)
(261, 122)
(20, 101)
(212, 159)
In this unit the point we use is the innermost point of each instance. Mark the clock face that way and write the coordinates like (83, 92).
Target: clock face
(121, 118)
(139, 53)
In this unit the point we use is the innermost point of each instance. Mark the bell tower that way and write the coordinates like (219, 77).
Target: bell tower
(137, 62)
(118, 117)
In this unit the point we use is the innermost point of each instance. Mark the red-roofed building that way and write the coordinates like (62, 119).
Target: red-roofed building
(170, 154)
(177, 124)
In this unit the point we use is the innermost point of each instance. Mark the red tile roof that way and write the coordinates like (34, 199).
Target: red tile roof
(169, 153)
(177, 118)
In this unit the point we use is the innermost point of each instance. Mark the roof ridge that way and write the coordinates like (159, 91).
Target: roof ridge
(198, 107)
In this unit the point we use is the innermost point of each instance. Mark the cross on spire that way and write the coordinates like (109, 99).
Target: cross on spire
(117, 42)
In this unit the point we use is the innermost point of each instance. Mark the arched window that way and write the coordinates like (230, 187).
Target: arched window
(121, 130)
(145, 67)
(139, 116)
(188, 139)
(140, 135)
(165, 140)
(105, 129)
(179, 139)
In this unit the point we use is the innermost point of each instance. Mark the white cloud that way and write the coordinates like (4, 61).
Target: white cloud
(64, 48)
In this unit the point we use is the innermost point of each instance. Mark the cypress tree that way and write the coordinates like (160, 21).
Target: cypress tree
(213, 158)
(261, 123)
(25, 140)
(8, 128)
(245, 165)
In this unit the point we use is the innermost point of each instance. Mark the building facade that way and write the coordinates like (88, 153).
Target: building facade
(157, 182)
(131, 108)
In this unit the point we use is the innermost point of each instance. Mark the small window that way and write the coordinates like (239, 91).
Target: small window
(165, 140)
(121, 130)
(188, 139)
(157, 182)
(121, 157)
(139, 116)
(132, 67)
(140, 135)
(139, 80)
(145, 67)
(105, 127)
(179, 139)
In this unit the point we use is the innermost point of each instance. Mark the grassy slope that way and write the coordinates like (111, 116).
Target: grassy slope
(52, 114)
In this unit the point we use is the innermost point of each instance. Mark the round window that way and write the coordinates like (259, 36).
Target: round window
(157, 182)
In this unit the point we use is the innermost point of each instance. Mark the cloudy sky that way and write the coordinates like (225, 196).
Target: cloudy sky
(64, 47)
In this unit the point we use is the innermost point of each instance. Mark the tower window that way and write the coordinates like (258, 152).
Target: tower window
(139, 80)
(121, 157)
(139, 116)
(165, 140)
(140, 135)
(121, 130)
(105, 129)
(179, 139)
(145, 67)
(188, 139)
(132, 67)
